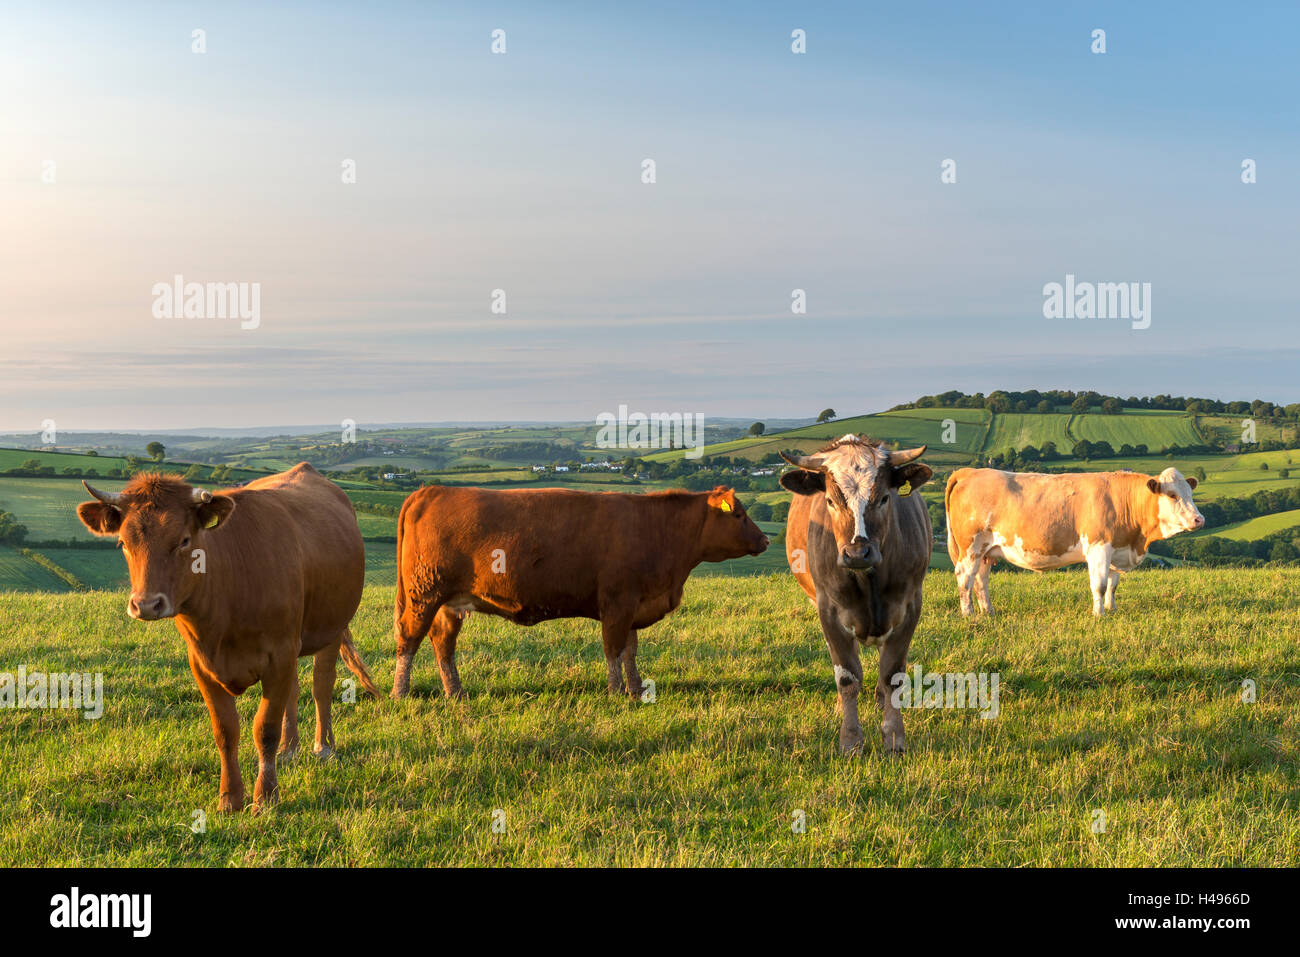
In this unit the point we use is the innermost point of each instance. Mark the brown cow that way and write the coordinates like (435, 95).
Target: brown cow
(255, 578)
(858, 540)
(1039, 522)
(533, 555)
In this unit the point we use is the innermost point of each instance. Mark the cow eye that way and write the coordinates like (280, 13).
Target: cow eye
(185, 542)
(1172, 495)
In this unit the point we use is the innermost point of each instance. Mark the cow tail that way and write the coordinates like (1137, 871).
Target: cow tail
(947, 516)
(352, 658)
(399, 603)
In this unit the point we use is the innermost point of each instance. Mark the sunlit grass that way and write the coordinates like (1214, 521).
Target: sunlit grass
(1139, 715)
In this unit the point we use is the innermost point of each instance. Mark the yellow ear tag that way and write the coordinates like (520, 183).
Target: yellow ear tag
(212, 522)
(905, 489)
(724, 505)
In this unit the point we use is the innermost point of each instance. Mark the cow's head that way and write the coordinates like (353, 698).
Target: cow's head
(158, 521)
(1178, 513)
(728, 532)
(861, 481)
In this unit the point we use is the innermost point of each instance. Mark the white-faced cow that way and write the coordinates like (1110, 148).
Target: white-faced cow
(1039, 522)
(254, 577)
(858, 540)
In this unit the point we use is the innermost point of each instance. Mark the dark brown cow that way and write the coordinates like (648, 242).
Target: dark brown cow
(255, 578)
(860, 549)
(533, 555)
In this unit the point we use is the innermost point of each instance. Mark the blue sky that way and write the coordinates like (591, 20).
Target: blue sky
(521, 172)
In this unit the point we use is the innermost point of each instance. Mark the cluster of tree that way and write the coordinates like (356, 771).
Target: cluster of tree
(378, 508)
(1228, 511)
(705, 479)
(1281, 547)
(1049, 401)
(32, 468)
(12, 531)
(763, 512)
(1030, 458)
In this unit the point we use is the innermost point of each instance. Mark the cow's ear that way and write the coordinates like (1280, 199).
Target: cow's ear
(1154, 485)
(915, 475)
(804, 482)
(100, 517)
(723, 499)
(213, 513)
(1191, 481)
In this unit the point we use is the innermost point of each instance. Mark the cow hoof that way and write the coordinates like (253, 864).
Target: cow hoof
(287, 754)
(397, 695)
(226, 804)
(851, 742)
(265, 798)
(323, 753)
(896, 746)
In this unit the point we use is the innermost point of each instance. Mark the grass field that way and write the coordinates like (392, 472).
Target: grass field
(909, 427)
(20, 573)
(1015, 430)
(1255, 528)
(1155, 430)
(48, 506)
(1138, 716)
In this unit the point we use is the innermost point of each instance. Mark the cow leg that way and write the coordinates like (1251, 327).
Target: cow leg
(289, 730)
(446, 626)
(614, 633)
(981, 576)
(411, 620)
(324, 664)
(964, 571)
(629, 666)
(1112, 584)
(848, 677)
(893, 661)
(1098, 556)
(278, 681)
(225, 729)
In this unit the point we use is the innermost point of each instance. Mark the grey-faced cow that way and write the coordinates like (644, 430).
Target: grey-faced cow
(858, 541)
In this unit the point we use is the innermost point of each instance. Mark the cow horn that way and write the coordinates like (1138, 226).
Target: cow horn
(812, 463)
(903, 456)
(108, 498)
(202, 496)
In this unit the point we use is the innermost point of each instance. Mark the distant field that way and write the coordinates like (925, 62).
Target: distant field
(1015, 430)
(98, 568)
(398, 462)
(1255, 528)
(48, 506)
(1155, 430)
(19, 573)
(909, 427)
(377, 526)
(1139, 716)
(1228, 428)
(13, 458)
(1230, 476)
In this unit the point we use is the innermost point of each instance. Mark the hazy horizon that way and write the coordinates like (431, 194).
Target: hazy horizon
(775, 171)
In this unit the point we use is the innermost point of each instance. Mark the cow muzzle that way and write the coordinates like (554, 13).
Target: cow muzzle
(149, 607)
(860, 553)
